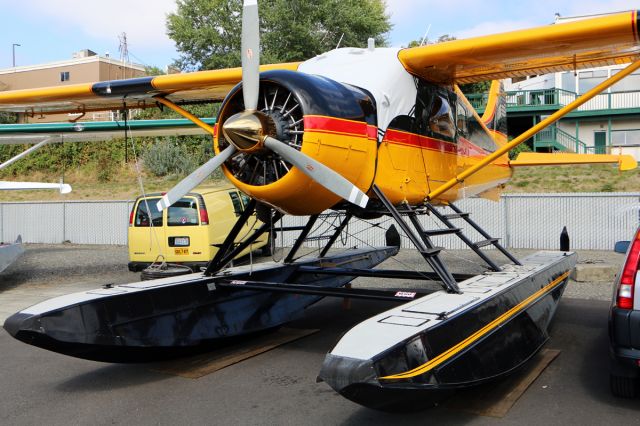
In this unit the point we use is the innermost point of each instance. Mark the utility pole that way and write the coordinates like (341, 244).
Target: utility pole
(13, 48)
(124, 53)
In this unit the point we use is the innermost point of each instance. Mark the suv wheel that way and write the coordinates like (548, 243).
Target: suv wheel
(622, 386)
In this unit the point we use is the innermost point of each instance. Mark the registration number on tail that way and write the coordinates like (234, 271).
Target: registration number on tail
(181, 251)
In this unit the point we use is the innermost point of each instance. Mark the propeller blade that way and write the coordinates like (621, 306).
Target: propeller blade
(250, 54)
(194, 179)
(317, 171)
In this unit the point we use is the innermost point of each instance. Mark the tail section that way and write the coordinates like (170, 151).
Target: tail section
(495, 114)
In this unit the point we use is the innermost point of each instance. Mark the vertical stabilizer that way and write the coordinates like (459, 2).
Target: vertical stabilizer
(495, 114)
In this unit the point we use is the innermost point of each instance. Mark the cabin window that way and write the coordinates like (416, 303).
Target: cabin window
(183, 212)
(142, 215)
(441, 118)
(470, 128)
(462, 118)
(435, 112)
(64, 76)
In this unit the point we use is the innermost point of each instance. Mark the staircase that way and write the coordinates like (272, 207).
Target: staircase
(559, 140)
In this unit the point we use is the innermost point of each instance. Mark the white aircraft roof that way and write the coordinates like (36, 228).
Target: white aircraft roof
(377, 70)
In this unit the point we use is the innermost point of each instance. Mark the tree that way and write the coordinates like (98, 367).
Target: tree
(207, 32)
(153, 70)
(8, 118)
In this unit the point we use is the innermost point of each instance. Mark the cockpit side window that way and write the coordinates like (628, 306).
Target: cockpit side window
(441, 118)
(435, 111)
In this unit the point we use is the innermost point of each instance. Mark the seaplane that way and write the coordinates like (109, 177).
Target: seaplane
(368, 132)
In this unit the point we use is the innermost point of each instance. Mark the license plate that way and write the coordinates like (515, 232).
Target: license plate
(181, 251)
(181, 241)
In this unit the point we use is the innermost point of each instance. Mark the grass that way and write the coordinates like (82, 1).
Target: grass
(123, 184)
(580, 178)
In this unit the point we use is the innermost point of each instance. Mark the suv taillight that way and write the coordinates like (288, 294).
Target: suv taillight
(626, 288)
(204, 217)
(131, 216)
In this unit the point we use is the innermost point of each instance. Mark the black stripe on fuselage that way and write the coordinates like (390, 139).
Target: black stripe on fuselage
(123, 88)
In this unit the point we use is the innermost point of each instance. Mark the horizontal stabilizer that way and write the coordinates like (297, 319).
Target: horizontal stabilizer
(625, 162)
(62, 187)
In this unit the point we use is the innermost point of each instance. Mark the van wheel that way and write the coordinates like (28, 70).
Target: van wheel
(166, 270)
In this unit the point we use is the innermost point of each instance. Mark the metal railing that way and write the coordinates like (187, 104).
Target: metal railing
(557, 98)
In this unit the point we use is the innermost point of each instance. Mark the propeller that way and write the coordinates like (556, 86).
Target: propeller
(194, 179)
(250, 46)
(252, 130)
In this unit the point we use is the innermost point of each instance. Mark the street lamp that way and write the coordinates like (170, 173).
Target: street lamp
(13, 47)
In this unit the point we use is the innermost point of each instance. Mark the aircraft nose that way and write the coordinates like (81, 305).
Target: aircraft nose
(18, 322)
(341, 372)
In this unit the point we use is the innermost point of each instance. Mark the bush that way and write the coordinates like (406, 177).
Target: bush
(523, 147)
(166, 159)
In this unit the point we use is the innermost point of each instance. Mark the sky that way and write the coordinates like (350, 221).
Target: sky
(51, 30)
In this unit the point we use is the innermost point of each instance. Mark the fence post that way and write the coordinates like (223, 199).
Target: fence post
(507, 234)
(64, 221)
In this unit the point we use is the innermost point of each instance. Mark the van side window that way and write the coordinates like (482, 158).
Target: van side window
(183, 212)
(142, 216)
(237, 204)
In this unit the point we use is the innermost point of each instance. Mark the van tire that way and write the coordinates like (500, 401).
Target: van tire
(166, 271)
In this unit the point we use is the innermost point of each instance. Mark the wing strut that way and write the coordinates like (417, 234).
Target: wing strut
(535, 129)
(25, 153)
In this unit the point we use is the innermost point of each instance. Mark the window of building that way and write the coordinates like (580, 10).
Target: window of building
(627, 84)
(568, 81)
(625, 137)
(587, 80)
(64, 76)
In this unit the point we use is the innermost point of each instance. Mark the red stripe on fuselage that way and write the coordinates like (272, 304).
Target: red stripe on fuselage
(334, 125)
(419, 141)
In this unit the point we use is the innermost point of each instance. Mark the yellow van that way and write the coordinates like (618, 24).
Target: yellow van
(186, 232)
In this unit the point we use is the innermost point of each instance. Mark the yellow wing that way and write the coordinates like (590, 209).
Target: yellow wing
(624, 162)
(607, 40)
(136, 92)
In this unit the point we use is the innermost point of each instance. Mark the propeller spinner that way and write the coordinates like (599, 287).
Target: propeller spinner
(251, 130)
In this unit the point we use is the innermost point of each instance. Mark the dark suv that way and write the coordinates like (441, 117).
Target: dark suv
(624, 325)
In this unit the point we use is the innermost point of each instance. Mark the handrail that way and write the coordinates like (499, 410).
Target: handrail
(555, 134)
(557, 98)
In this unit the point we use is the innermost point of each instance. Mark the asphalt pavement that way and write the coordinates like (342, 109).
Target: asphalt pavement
(277, 387)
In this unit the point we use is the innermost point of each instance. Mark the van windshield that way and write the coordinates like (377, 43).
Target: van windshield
(142, 216)
(183, 212)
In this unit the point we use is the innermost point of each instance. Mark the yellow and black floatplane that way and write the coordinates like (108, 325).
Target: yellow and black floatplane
(367, 132)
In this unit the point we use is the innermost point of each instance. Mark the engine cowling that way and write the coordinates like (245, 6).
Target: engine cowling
(331, 122)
